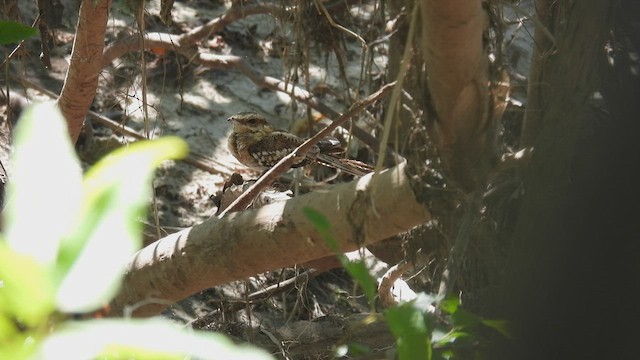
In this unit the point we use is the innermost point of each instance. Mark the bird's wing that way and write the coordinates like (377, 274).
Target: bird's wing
(274, 147)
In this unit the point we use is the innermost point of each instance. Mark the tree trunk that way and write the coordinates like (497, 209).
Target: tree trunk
(81, 82)
(458, 66)
(574, 257)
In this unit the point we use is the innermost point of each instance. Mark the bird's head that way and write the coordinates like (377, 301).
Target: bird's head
(250, 121)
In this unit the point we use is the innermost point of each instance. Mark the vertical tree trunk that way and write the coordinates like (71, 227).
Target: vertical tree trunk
(81, 81)
(458, 66)
(574, 251)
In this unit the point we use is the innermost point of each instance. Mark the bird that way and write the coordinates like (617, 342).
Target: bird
(258, 145)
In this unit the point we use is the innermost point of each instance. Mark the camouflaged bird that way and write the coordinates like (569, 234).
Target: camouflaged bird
(258, 145)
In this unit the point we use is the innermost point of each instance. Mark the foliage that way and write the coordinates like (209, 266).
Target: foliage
(13, 32)
(66, 242)
(357, 269)
(426, 327)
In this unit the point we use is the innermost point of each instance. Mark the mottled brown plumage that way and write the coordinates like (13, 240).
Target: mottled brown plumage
(256, 144)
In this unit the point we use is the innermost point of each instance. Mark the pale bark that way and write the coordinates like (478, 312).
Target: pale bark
(242, 244)
(81, 82)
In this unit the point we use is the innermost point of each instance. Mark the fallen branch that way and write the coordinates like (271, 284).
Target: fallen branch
(246, 243)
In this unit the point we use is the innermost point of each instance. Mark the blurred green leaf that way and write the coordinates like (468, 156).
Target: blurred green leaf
(501, 326)
(452, 337)
(116, 194)
(46, 188)
(21, 346)
(26, 294)
(358, 270)
(13, 32)
(465, 319)
(55, 238)
(408, 326)
(356, 349)
(323, 226)
(450, 304)
(140, 339)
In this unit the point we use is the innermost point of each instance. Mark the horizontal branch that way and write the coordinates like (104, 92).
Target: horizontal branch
(246, 243)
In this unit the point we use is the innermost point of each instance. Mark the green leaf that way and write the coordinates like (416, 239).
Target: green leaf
(46, 184)
(450, 304)
(116, 194)
(26, 292)
(13, 32)
(19, 346)
(358, 270)
(465, 319)
(140, 339)
(408, 326)
(356, 349)
(501, 326)
(323, 226)
(454, 337)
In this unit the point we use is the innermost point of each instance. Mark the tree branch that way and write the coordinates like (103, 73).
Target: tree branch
(246, 243)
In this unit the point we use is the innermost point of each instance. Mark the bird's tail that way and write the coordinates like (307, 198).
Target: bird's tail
(353, 167)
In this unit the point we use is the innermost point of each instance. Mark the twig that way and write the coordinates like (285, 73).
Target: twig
(160, 40)
(200, 161)
(183, 44)
(233, 14)
(259, 295)
(387, 281)
(285, 163)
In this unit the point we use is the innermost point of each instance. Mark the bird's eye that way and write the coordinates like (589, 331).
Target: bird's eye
(253, 121)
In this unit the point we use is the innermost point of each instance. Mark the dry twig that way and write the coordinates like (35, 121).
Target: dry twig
(200, 161)
(285, 163)
(184, 44)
